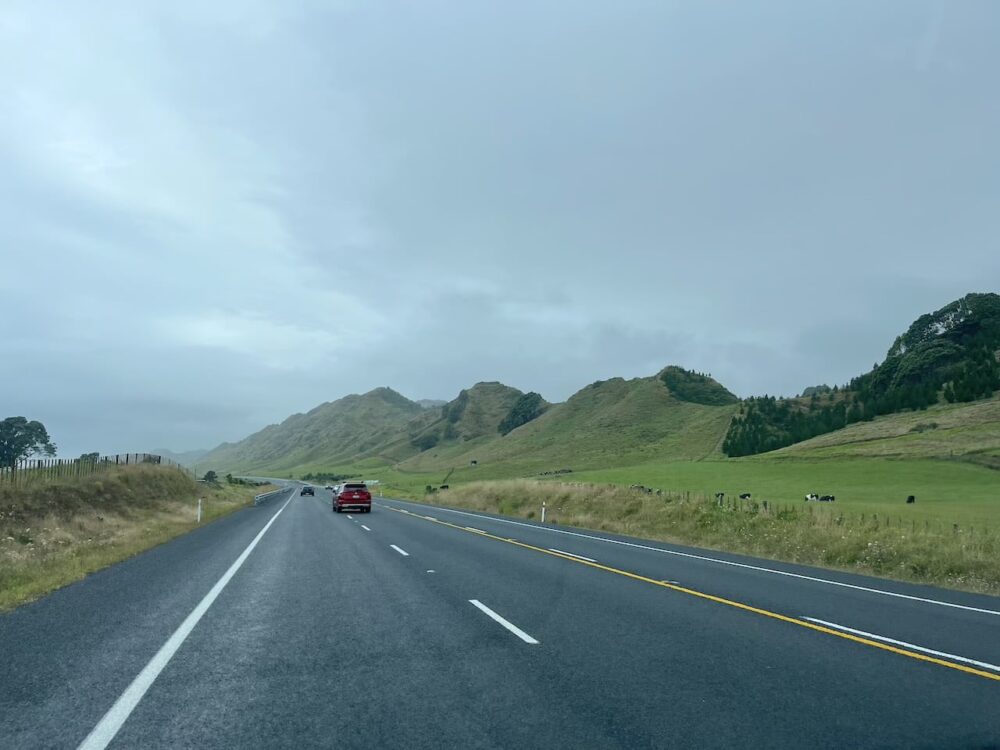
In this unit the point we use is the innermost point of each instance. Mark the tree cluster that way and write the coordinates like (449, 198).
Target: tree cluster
(696, 387)
(527, 407)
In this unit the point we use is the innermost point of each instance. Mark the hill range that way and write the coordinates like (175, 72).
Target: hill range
(932, 397)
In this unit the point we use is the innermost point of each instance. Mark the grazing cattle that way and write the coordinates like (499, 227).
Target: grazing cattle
(911, 499)
(720, 496)
(812, 497)
(745, 496)
(827, 498)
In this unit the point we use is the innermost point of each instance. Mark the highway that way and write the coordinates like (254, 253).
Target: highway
(288, 626)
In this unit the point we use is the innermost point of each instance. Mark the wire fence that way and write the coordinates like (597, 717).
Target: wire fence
(33, 469)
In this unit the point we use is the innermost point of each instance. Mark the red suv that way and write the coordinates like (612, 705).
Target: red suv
(353, 495)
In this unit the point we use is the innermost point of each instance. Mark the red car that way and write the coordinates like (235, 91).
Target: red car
(353, 496)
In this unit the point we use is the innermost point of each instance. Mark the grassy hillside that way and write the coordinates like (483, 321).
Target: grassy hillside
(967, 432)
(608, 423)
(339, 431)
(951, 355)
(476, 413)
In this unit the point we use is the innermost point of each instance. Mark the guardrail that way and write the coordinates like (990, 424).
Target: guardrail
(258, 499)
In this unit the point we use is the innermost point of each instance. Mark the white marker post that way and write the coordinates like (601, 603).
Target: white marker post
(543, 511)
(199, 510)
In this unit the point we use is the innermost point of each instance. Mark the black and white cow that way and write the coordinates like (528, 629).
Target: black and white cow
(745, 496)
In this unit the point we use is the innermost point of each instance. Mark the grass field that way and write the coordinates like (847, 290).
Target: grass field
(947, 492)
(967, 559)
(54, 532)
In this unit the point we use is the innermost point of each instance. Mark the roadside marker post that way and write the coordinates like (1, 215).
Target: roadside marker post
(543, 511)
(199, 510)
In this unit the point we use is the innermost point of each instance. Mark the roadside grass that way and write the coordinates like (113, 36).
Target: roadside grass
(54, 532)
(968, 560)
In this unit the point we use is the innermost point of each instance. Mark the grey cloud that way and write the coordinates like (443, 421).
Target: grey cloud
(214, 215)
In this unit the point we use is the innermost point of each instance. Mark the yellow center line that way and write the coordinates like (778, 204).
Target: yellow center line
(713, 598)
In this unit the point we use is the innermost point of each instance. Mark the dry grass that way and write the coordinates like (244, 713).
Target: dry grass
(54, 532)
(963, 560)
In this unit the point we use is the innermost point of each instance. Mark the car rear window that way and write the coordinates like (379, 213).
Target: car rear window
(355, 487)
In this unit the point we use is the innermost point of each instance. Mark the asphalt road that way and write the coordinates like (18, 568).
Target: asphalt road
(287, 625)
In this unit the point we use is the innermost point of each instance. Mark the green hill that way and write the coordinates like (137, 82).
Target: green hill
(337, 432)
(611, 422)
(966, 432)
(477, 412)
(950, 355)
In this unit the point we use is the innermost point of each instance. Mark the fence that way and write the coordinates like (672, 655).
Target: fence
(57, 468)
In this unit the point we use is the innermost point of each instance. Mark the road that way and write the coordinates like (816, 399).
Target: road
(286, 625)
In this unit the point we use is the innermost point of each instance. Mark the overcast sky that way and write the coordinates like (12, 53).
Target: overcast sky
(215, 214)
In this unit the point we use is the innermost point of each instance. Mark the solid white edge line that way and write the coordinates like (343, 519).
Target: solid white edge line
(365, 527)
(403, 552)
(102, 734)
(506, 623)
(581, 557)
(732, 563)
(893, 641)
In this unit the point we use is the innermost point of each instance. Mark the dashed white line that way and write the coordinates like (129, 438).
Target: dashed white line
(350, 516)
(401, 551)
(506, 623)
(365, 527)
(570, 554)
(473, 528)
(893, 641)
(112, 721)
(732, 563)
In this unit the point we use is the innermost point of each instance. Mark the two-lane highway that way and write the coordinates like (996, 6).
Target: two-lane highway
(416, 626)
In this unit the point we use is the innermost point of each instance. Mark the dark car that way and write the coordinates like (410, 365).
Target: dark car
(352, 496)
(307, 490)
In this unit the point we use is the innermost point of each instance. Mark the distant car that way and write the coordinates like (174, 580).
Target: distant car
(328, 487)
(308, 490)
(352, 495)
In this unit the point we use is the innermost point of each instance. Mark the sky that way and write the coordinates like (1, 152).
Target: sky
(214, 215)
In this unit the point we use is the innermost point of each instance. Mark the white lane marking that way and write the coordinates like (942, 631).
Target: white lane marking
(506, 623)
(403, 552)
(884, 639)
(365, 527)
(430, 571)
(108, 726)
(473, 528)
(746, 566)
(350, 516)
(430, 518)
(581, 557)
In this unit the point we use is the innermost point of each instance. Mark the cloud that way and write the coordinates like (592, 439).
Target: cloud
(240, 210)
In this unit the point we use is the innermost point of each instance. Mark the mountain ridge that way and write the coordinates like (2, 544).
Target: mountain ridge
(677, 414)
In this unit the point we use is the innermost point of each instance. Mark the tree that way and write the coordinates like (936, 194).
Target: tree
(90, 458)
(21, 439)
(210, 476)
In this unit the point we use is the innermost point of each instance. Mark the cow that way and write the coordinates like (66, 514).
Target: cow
(745, 496)
(720, 496)
(826, 498)
(812, 497)
(911, 499)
